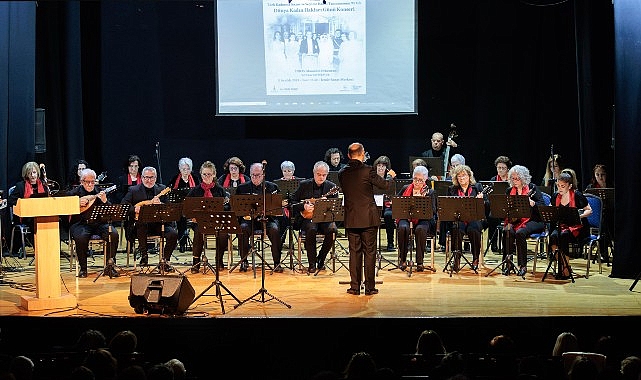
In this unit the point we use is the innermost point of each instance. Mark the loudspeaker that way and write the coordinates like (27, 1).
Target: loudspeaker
(40, 131)
(160, 294)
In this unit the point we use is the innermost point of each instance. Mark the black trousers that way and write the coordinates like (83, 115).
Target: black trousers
(421, 230)
(149, 229)
(362, 246)
(311, 229)
(81, 233)
(273, 233)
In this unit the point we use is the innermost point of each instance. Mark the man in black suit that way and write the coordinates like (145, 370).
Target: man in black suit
(315, 188)
(148, 192)
(362, 217)
(255, 186)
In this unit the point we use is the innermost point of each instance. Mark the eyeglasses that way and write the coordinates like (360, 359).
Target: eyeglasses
(133, 166)
(207, 174)
(257, 175)
(88, 182)
(185, 169)
(149, 177)
(516, 179)
(418, 179)
(501, 167)
(233, 168)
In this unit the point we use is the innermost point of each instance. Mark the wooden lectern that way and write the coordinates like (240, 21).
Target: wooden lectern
(46, 212)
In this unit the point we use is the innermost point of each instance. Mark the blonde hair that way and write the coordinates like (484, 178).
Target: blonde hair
(459, 169)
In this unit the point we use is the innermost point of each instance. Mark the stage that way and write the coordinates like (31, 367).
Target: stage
(322, 320)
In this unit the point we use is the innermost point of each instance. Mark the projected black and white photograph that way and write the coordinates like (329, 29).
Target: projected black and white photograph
(314, 49)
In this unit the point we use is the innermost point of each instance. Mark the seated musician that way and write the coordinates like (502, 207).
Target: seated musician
(208, 188)
(464, 185)
(149, 192)
(518, 230)
(26, 188)
(255, 186)
(383, 165)
(183, 180)
(130, 178)
(599, 178)
(422, 227)
(502, 164)
(233, 176)
(303, 209)
(561, 236)
(288, 168)
(73, 178)
(334, 159)
(81, 229)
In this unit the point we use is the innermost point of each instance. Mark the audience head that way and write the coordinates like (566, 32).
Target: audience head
(160, 372)
(565, 342)
(132, 372)
(91, 339)
(124, 342)
(502, 345)
(430, 343)
(102, 363)
(22, 368)
(178, 368)
(519, 173)
(361, 366)
(631, 368)
(82, 373)
(583, 368)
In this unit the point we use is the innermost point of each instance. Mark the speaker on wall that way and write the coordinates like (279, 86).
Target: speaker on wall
(40, 131)
(160, 294)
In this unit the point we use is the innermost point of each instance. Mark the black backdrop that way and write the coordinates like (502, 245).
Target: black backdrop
(516, 77)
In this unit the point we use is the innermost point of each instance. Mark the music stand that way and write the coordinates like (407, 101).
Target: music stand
(441, 187)
(332, 176)
(160, 213)
(410, 207)
(499, 187)
(104, 213)
(399, 183)
(287, 188)
(457, 209)
(194, 207)
(509, 207)
(559, 215)
(329, 210)
(210, 223)
(177, 195)
(435, 165)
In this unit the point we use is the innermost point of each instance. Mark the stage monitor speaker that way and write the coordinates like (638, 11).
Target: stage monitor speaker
(160, 294)
(40, 131)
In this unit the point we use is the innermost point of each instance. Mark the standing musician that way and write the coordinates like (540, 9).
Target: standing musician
(563, 235)
(383, 165)
(362, 217)
(208, 188)
(422, 227)
(149, 192)
(438, 142)
(31, 184)
(520, 229)
(464, 185)
(303, 208)
(183, 180)
(255, 186)
(553, 168)
(81, 230)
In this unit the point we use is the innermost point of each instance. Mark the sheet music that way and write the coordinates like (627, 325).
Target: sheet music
(378, 198)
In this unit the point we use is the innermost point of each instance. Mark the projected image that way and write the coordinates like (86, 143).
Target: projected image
(312, 49)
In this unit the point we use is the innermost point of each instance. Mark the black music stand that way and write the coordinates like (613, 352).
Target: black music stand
(506, 206)
(269, 204)
(329, 210)
(214, 222)
(177, 195)
(435, 165)
(104, 213)
(410, 207)
(458, 209)
(379, 198)
(441, 188)
(194, 207)
(332, 176)
(160, 213)
(559, 215)
(287, 189)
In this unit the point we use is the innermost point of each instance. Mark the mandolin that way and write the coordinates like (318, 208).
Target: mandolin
(92, 198)
(307, 214)
(164, 191)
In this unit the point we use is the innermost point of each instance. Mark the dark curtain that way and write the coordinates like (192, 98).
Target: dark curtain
(627, 13)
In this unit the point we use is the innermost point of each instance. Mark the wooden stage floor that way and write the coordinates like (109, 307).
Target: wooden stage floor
(324, 324)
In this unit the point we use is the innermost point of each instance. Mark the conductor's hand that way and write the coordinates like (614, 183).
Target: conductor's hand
(392, 173)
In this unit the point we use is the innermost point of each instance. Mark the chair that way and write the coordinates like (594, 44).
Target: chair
(594, 221)
(596, 358)
(23, 229)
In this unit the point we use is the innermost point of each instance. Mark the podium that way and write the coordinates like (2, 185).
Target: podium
(46, 212)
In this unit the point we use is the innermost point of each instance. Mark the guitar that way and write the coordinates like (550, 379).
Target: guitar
(307, 214)
(449, 142)
(92, 198)
(164, 191)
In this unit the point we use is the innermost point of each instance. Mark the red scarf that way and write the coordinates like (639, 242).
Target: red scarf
(227, 181)
(190, 179)
(28, 190)
(462, 193)
(207, 189)
(520, 223)
(129, 179)
(573, 229)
